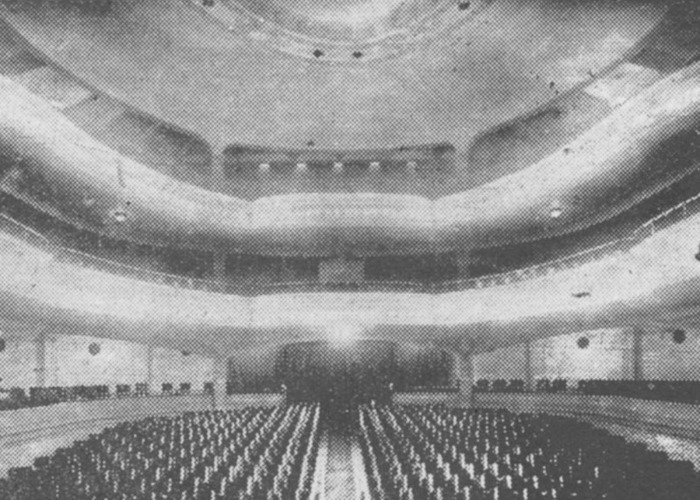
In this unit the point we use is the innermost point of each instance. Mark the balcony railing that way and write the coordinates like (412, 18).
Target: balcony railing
(72, 256)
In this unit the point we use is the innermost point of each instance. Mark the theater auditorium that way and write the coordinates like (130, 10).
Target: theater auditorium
(349, 250)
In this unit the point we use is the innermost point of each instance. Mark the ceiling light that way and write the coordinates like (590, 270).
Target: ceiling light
(556, 210)
(119, 215)
(343, 334)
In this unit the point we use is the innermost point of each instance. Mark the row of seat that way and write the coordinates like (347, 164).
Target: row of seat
(441, 453)
(519, 385)
(681, 391)
(16, 397)
(248, 454)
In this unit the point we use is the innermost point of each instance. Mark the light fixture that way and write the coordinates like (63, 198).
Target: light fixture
(343, 334)
(119, 215)
(555, 210)
(679, 336)
(94, 349)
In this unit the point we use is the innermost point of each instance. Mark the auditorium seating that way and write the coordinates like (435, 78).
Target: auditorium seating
(679, 391)
(16, 398)
(44, 396)
(663, 390)
(246, 454)
(444, 453)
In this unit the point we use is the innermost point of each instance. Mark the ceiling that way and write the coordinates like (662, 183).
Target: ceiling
(503, 83)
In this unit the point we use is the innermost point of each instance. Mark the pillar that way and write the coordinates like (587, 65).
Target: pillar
(220, 378)
(40, 358)
(637, 363)
(463, 377)
(529, 377)
(149, 367)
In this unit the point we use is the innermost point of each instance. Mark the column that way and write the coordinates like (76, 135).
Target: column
(463, 374)
(40, 358)
(529, 372)
(149, 368)
(220, 378)
(637, 363)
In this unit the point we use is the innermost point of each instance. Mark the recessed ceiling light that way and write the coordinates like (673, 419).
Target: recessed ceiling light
(556, 211)
(119, 215)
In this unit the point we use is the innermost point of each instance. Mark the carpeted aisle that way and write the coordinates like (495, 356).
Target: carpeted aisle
(340, 483)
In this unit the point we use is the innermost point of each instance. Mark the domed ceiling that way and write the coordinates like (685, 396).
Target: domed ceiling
(439, 98)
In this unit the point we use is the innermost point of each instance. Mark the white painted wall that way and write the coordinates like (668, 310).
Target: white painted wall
(68, 362)
(608, 356)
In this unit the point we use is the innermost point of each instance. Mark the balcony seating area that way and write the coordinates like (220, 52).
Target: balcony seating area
(16, 398)
(518, 385)
(244, 274)
(245, 454)
(679, 391)
(432, 452)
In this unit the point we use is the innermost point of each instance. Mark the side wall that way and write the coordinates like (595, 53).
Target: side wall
(69, 362)
(610, 355)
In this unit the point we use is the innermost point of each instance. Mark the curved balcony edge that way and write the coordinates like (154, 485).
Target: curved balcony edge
(59, 168)
(655, 280)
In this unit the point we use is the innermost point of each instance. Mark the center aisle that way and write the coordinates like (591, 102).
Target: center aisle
(340, 481)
